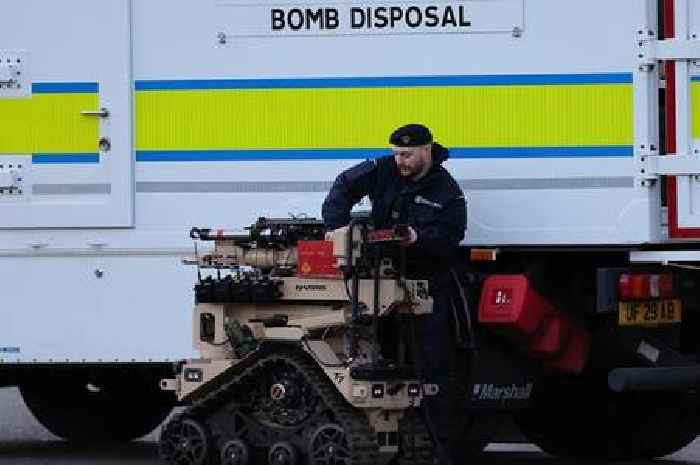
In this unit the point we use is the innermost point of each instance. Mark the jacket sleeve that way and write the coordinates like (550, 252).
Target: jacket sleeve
(439, 238)
(348, 189)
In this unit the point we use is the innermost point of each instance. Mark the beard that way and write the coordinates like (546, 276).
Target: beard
(411, 171)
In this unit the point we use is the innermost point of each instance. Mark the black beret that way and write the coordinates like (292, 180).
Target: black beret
(411, 135)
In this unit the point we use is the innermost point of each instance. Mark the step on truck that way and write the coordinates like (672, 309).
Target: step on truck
(571, 131)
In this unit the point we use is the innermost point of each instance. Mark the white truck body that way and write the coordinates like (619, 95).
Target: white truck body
(219, 113)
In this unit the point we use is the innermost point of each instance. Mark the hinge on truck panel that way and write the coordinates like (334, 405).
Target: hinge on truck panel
(671, 165)
(651, 51)
(646, 176)
(645, 37)
(14, 74)
(14, 173)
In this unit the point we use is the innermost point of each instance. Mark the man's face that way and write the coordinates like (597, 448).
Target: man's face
(411, 160)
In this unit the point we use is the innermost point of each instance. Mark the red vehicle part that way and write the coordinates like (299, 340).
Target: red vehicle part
(644, 286)
(396, 234)
(315, 259)
(511, 307)
(548, 342)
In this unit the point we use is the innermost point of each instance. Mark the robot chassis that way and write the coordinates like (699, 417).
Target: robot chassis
(291, 368)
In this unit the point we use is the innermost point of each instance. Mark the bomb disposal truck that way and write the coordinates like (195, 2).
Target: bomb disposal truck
(571, 127)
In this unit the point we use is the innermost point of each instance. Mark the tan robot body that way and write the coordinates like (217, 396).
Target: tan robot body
(306, 328)
(306, 317)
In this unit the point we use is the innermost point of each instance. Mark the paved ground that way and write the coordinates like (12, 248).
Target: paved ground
(25, 442)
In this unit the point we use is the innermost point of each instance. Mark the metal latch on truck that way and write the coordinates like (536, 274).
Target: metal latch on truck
(12, 177)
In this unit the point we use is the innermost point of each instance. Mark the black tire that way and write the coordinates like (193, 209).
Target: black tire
(471, 432)
(80, 408)
(576, 420)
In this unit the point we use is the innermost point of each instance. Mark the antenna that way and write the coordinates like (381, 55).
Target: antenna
(196, 257)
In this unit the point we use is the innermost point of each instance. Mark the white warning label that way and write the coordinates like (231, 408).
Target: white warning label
(310, 19)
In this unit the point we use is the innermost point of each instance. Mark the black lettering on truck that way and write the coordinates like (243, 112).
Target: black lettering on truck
(396, 14)
(357, 18)
(380, 16)
(331, 18)
(431, 16)
(448, 17)
(462, 21)
(313, 17)
(414, 16)
(277, 19)
(297, 19)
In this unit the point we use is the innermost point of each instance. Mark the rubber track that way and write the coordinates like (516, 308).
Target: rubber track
(361, 440)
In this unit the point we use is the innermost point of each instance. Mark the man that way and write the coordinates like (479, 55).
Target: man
(411, 187)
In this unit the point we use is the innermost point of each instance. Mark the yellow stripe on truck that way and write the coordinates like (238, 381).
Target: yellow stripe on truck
(468, 116)
(695, 107)
(48, 123)
(333, 113)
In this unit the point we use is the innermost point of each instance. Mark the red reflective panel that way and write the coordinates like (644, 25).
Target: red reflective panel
(633, 286)
(645, 286)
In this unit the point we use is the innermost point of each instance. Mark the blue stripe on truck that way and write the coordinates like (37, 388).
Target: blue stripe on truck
(388, 81)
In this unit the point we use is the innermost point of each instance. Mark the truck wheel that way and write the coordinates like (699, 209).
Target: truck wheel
(587, 422)
(78, 411)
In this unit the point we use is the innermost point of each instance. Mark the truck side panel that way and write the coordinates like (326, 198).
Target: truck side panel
(540, 123)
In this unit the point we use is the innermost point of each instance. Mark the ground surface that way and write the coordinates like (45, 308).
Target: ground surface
(23, 442)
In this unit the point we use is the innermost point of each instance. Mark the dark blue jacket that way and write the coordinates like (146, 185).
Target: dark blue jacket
(434, 205)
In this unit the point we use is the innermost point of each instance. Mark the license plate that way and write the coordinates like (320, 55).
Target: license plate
(652, 312)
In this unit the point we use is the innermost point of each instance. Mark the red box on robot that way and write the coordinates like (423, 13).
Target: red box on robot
(315, 259)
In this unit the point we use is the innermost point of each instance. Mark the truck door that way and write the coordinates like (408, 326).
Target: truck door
(66, 114)
(682, 23)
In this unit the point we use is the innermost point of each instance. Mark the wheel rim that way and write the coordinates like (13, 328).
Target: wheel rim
(235, 452)
(184, 442)
(282, 453)
(329, 446)
(281, 396)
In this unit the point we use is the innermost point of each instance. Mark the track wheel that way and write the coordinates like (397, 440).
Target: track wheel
(184, 442)
(329, 446)
(282, 453)
(235, 452)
